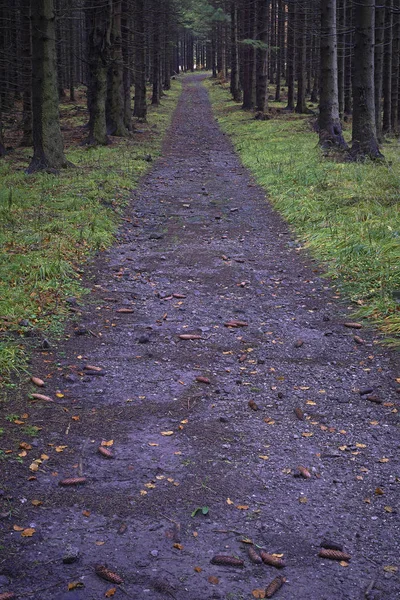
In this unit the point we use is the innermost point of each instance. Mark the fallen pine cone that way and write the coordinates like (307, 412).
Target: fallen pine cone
(125, 310)
(92, 368)
(201, 379)
(37, 381)
(42, 398)
(254, 556)
(242, 358)
(190, 336)
(353, 325)
(236, 324)
(253, 405)
(105, 452)
(108, 575)
(304, 472)
(274, 586)
(228, 561)
(333, 554)
(358, 340)
(7, 596)
(299, 413)
(72, 481)
(179, 296)
(270, 559)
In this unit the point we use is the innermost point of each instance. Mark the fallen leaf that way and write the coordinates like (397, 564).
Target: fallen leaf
(229, 501)
(263, 456)
(303, 500)
(34, 467)
(307, 434)
(109, 593)
(388, 509)
(343, 563)
(86, 513)
(242, 507)
(25, 446)
(214, 580)
(167, 433)
(258, 593)
(311, 403)
(390, 569)
(198, 569)
(36, 502)
(60, 448)
(152, 444)
(18, 528)
(178, 546)
(76, 418)
(384, 460)
(59, 395)
(75, 585)
(28, 532)
(99, 543)
(107, 444)
(379, 491)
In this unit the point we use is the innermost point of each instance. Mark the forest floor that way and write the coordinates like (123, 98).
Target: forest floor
(207, 434)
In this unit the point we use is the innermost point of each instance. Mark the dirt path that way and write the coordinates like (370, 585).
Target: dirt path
(201, 248)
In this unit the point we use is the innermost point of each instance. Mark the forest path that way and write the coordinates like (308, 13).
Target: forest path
(201, 248)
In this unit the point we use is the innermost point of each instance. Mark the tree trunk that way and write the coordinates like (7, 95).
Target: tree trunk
(301, 34)
(261, 56)
(291, 60)
(140, 105)
(364, 142)
(156, 66)
(99, 16)
(48, 147)
(395, 67)
(387, 66)
(115, 89)
(126, 31)
(235, 85)
(330, 129)
(341, 25)
(379, 44)
(280, 50)
(27, 73)
(348, 60)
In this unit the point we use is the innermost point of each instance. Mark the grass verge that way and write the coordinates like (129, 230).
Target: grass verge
(50, 225)
(347, 214)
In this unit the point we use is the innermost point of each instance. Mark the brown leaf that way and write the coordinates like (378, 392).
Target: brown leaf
(18, 528)
(29, 532)
(258, 593)
(242, 507)
(25, 446)
(42, 398)
(178, 546)
(36, 502)
(201, 379)
(214, 580)
(109, 593)
(71, 481)
(107, 443)
(228, 561)
(198, 569)
(271, 559)
(108, 575)
(274, 586)
(37, 381)
(75, 585)
(86, 513)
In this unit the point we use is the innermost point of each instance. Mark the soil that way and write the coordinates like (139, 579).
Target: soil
(197, 471)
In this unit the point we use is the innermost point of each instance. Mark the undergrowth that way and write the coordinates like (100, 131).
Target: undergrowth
(50, 225)
(346, 213)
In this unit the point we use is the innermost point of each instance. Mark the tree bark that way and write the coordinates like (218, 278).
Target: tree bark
(364, 142)
(48, 147)
(330, 129)
(291, 59)
(301, 34)
(261, 56)
(378, 65)
(387, 66)
(115, 90)
(26, 54)
(99, 16)
(140, 104)
(235, 85)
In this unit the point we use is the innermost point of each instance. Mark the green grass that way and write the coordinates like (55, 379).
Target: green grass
(50, 225)
(346, 214)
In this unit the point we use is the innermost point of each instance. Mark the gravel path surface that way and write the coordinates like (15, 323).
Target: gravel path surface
(208, 433)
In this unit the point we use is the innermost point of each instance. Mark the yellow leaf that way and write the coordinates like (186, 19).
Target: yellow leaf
(361, 445)
(150, 486)
(143, 493)
(17, 528)
(100, 543)
(44, 457)
(28, 532)
(185, 421)
(75, 585)
(374, 422)
(304, 387)
(165, 433)
(109, 593)
(311, 403)
(170, 479)
(242, 507)
(388, 509)
(37, 502)
(384, 460)
(264, 457)
(247, 541)
(342, 448)
(18, 422)
(109, 443)
(22, 454)
(160, 477)
(34, 466)
(343, 563)
(391, 568)
(379, 491)
(214, 580)
(59, 395)
(307, 434)
(60, 448)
